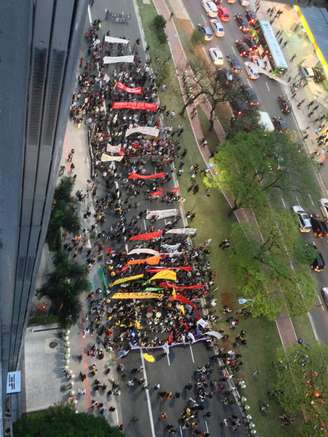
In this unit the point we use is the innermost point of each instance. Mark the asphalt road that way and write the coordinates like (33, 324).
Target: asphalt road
(172, 372)
(268, 91)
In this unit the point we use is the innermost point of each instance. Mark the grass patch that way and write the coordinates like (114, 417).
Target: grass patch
(212, 221)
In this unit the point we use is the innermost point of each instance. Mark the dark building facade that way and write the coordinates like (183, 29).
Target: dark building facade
(39, 48)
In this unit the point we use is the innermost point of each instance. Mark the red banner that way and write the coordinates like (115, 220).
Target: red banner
(120, 86)
(158, 269)
(147, 236)
(147, 176)
(185, 300)
(143, 106)
(160, 192)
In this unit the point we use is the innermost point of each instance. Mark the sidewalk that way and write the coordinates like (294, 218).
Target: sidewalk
(284, 324)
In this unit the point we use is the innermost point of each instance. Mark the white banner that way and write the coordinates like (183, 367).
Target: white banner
(161, 213)
(107, 158)
(117, 59)
(148, 251)
(114, 40)
(171, 247)
(145, 130)
(113, 149)
(182, 231)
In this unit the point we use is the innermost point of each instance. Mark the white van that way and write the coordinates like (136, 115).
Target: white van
(210, 8)
(217, 27)
(265, 121)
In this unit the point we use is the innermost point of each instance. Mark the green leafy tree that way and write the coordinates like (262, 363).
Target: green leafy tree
(246, 122)
(301, 386)
(196, 37)
(251, 165)
(158, 25)
(62, 421)
(64, 213)
(63, 287)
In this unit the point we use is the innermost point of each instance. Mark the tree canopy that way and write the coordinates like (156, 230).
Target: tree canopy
(301, 386)
(64, 213)
(62, 421)
(263, 270)
(63, 287)
(250, 165)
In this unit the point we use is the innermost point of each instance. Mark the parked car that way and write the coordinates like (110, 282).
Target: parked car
(319, 263)
(225, 77)
(319, 226)
(324, 207)
(244, 3)
(206, 31)
(251, 70)
(239, 107)
(242, 48)
(242, 23)
(304, 219)
(279, 124)
(251, 43)
(324, 294)
(210, 8)
(216, 55)
(235, 63)
(284, 105)
(250, 17)
(250, 96)
(217, 27)
(231, 1)
(223, 13)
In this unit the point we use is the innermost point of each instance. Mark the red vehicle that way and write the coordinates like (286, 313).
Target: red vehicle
(223, 13)
(242, 49)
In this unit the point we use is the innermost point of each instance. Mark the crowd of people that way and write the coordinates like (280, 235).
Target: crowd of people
(155, 278)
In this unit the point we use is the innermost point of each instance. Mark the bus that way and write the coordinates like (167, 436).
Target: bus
(271, 47)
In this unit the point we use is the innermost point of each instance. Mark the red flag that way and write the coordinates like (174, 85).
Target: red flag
(135, 175)
(186, 301)
(122, 87)
(147, 236)
(143, 106)
(170, 338)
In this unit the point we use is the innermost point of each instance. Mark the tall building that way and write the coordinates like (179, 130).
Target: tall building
(39, 48)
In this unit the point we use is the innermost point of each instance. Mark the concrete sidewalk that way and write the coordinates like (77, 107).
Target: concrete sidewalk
(284, 324)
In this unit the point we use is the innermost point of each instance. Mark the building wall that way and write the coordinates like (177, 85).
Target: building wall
(39, 49)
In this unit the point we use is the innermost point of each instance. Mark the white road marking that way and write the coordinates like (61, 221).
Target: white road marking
(313, 327)
(117, 418)
(89, 14)
(234, 50)
(145, 224)
(267, 85)
(168, 358)
(311, 199)
(283, 202)
(298, 201)
(192, 354)
(206, 426)
(150, 412)
(181, 432)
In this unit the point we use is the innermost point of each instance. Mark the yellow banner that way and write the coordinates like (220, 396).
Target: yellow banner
(127, 279)
(169, 275)
(137, 296)
(152, 260)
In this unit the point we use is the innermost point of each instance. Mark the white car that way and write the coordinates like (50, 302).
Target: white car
(251, 70)
(244, 3)
(304, 220)
(210, 8)
(216, 56)
(324, 207)
(217, 27)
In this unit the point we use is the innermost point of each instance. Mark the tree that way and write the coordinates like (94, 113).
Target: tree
(62, 421)
(251, 165)
(158, 25)
(63, 287)
(64, 213)
(196, 37)
(301, 386)
(262, 266)
(246, 122)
